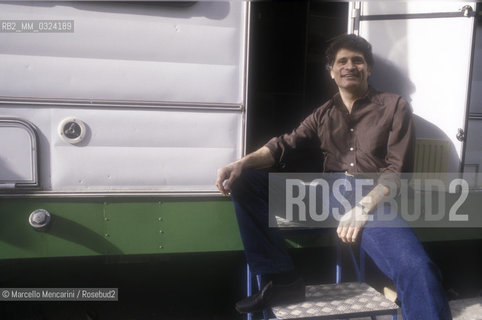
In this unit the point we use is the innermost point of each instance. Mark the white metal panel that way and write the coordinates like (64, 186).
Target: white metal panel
(97, 79)
(16, 156)
(127, 51)
(476, 90)
(392, 7)
(147, 150)
(193, 54)
(428, 62)
(473, 156)
(473, 147)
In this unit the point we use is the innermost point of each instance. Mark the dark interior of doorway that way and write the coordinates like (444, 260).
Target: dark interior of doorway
(287, 74)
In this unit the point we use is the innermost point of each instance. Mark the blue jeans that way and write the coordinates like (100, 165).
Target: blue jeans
(396, 251)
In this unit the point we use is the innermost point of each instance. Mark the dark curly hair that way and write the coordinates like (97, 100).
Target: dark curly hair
(350, 42)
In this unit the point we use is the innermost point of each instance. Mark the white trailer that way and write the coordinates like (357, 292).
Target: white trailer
(114, 116)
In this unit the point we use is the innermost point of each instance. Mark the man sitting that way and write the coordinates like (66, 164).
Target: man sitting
(360, 131)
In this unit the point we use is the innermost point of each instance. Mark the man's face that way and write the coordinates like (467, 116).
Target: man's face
(350, 70)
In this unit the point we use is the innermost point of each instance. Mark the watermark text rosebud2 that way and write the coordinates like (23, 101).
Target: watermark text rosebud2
(320, 200)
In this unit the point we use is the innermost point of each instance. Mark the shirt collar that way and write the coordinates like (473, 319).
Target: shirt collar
(370, 96)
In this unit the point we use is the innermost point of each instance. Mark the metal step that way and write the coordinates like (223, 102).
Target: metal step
(335, 301)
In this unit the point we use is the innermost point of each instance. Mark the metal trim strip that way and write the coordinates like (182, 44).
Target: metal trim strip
(121, 104)
(464, 13)
(354, 9)
(469, 92)
(475, 116)
(247, 43)
(113, 194)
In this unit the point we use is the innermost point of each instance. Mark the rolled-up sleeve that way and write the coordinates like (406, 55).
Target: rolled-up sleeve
(401, 146)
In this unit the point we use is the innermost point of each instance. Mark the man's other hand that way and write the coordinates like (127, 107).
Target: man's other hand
(351, 224)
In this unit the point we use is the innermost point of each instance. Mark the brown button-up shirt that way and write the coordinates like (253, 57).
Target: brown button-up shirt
(376, 137)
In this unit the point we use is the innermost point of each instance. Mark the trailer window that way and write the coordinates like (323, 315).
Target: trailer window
(18, 156)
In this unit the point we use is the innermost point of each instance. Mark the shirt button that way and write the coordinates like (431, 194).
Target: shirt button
(351, 149)
(351, 129)
(352, 164)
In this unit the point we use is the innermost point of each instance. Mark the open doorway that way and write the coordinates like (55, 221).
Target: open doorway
(287, 74)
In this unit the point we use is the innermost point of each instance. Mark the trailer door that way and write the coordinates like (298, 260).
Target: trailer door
(423, 51)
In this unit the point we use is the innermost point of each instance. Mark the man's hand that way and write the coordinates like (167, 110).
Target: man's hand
(227, 175)
(261, 158)
(351, 223)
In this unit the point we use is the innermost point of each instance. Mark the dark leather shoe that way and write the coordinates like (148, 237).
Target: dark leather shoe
(273, 294)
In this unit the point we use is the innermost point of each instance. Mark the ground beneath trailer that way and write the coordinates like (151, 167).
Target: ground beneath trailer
(205, 286)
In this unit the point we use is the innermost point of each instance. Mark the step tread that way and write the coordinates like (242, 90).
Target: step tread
(329, 301)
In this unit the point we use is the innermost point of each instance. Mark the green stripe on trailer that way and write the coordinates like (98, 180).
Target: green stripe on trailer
(130, 226)
(114, 227)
